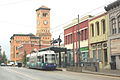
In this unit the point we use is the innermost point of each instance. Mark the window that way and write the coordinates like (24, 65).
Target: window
(97, 26)
(99, 55)
(82, 35)
(38, 14)
(113, 26)
(45, 14)
(86, 34)
(66, 40)
(103, 26)
(71, 38)
(94, 56)
(92, 29)
(38, 22)
(118, 24)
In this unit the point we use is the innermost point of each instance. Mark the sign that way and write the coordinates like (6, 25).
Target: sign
(84, 49)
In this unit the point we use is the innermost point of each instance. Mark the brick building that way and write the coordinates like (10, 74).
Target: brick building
(21, 42)
(17, 40)
(71, 38)
(43, 25)
(28, 48)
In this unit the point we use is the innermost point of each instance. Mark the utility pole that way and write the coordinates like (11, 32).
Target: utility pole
(39, 42)
(73, 47)
(59, 52)
(79, 53)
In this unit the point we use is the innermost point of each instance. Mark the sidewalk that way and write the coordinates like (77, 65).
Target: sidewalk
(113, 73)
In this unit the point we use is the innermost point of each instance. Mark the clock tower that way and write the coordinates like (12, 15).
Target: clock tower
(43, 26)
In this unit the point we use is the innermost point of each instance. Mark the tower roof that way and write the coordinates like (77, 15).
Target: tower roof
(43, 8)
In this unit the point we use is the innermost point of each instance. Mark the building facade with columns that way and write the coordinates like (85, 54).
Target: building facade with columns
(98, 39)
(113, 11)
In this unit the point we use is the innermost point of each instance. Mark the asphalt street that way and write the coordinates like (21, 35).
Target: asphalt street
(15, 73)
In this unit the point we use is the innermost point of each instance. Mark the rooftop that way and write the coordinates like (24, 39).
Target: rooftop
(112, 5)
(30, 34)
(43, 8)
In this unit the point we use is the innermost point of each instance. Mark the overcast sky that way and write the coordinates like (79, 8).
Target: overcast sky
(19, 16)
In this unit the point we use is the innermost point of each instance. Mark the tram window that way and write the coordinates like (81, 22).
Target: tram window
(46, 59)
(53, 55)
(27, 59)
(39, 57)
(42, 59)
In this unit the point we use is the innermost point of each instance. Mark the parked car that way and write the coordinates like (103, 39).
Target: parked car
(3, 64)
(10, 64)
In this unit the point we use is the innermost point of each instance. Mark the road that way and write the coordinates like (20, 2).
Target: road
(15, 73)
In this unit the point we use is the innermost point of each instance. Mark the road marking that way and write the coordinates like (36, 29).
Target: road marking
(22, 74)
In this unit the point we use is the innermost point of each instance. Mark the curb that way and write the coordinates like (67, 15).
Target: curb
(59, 69)
(113, 75)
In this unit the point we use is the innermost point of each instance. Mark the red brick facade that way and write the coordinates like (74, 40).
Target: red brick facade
(70, 35)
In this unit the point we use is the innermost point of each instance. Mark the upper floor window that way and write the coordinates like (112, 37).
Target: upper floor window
(118, 24)
(45, 14)
(103, 26)
(113, 26)
(97, 26)
(86, 34)
(38, 14)
(82, 35)
(92, 29)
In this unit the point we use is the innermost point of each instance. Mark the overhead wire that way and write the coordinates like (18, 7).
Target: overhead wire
(57, 27)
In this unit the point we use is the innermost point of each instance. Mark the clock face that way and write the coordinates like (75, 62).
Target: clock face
(45, 22)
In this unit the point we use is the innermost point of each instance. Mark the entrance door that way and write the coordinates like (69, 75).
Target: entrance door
(113, 59)
(105, 56)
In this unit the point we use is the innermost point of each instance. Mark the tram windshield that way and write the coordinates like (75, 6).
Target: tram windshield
(50, 58)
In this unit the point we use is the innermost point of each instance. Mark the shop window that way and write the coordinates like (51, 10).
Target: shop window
(99, 54)
(94, 56)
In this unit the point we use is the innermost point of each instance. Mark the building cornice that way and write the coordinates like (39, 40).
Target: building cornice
(75, 21)
(112, 5)
(43, 8)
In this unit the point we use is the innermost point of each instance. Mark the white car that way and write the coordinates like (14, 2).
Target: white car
(3, 64)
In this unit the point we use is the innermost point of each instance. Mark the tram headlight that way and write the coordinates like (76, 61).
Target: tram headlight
(46, 64)
(54, 64)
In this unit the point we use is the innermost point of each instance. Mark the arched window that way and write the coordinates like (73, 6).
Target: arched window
(98, 29)
(103, 26)
(118, 19)
(92, 29)
(113, 26)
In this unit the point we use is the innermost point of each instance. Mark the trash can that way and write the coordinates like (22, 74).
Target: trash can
(19, 64)
(113, 65)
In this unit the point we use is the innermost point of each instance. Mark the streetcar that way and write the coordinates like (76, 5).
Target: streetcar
(42, 60)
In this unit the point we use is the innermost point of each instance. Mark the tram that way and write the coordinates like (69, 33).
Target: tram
(42, 60)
